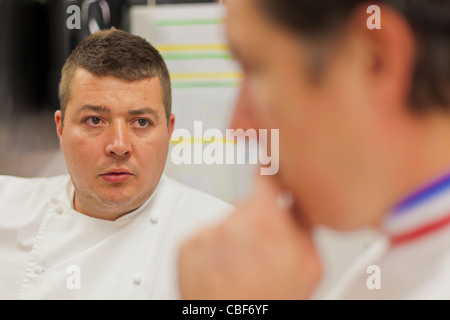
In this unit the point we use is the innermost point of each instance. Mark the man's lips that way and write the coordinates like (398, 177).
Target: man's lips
(116, 176)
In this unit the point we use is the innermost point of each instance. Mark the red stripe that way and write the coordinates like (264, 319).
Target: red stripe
(415, 234)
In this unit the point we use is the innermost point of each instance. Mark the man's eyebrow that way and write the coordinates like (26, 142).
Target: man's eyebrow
(103, 109)
(99, 109)
(144, 111)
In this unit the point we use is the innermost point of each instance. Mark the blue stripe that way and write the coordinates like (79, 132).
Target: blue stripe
(423, 194)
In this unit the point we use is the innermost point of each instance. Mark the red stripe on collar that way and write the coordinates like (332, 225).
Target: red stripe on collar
(402, 238)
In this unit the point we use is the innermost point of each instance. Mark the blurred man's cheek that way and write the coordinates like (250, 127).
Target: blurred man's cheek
(260, 98)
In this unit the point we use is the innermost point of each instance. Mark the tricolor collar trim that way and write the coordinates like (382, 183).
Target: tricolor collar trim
(418, 215)
(423, 194)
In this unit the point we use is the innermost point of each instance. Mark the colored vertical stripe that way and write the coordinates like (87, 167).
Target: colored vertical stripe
(201, 140)
(204, 84)
(190, 47)
(194, 56)
(205, 75)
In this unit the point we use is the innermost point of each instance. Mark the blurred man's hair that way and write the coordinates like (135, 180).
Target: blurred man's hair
(429, 20)
(119, 54)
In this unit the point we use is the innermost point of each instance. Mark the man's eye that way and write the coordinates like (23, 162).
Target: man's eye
(93, 121)
(142, 122)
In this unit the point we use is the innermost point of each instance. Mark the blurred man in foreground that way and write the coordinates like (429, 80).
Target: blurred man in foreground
(364, 128)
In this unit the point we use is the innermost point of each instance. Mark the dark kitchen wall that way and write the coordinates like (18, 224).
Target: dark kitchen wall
(23, 55)
(35, 41)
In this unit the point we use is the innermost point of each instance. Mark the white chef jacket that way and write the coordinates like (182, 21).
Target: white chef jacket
(411, 258)
(50, 251)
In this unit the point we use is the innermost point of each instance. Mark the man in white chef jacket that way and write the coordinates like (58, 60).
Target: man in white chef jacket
(110, 229)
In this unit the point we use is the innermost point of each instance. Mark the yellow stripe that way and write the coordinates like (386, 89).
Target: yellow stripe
(202, 140)
(205, 75)
(189, 47)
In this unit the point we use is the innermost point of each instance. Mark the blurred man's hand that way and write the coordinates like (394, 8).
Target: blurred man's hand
(260, 252)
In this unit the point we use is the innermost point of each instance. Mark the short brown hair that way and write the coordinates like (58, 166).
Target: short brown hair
(119, 54)
(429, 20)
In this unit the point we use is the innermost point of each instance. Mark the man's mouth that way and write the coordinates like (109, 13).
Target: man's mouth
(116, 176)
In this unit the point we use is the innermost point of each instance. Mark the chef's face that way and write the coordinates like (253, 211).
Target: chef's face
(115, 139)
(322, 126)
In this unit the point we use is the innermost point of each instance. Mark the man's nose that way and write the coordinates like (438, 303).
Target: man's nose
(119, 143)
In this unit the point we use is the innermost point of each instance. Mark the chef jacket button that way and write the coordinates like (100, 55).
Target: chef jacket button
(39, 270)
(59, 210)
(154, 220)
(137, 279)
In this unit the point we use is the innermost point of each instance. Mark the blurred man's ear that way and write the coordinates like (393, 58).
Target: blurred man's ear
(59, 125)
(242, 116)
(389, 53)
(171, 124)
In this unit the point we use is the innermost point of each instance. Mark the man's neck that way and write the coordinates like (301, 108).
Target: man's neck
(426, 156)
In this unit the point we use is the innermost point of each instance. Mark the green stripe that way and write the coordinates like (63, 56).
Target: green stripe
(191, 56)
(186, 22)
(211, 84)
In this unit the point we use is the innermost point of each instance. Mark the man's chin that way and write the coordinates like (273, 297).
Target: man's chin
(115, 201)
(119, 205)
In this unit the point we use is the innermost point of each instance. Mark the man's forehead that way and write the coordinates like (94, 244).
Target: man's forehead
(85, 84)
(243, 18)
(89, 90)
(83, 77)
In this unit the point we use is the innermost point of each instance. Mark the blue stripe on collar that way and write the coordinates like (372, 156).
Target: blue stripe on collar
(423, 194)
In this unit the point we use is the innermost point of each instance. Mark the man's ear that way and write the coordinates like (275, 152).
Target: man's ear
(171, 125)
(390, 54)
(59, 126)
